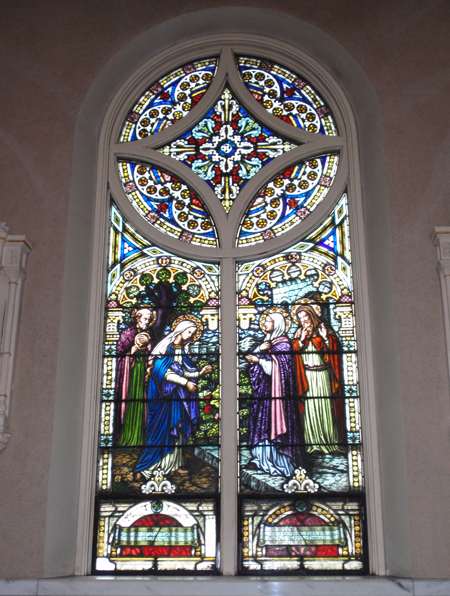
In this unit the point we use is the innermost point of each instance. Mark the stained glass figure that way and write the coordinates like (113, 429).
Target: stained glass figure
(168, 204)
(159, 432)
(286, 95)
(169, 99)
(300, 428)
(303, 535)
(288, 199)
(227, 148)
(157, 535)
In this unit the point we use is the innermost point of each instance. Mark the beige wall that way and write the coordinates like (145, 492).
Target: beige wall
(49, 56)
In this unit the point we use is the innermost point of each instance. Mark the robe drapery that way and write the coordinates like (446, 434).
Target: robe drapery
(172, 412)
(319, 377)
(275, 434)
(129, 416)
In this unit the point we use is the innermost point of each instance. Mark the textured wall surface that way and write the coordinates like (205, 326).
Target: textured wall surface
(49, 55)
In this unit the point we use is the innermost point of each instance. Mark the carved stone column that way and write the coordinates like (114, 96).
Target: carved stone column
(13, 258)
(441, 240)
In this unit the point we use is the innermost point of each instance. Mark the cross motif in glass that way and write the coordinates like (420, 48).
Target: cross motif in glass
(227, 148)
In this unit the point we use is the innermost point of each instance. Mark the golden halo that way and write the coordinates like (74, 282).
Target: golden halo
(267, 312)
(301, 302)
(194, 320)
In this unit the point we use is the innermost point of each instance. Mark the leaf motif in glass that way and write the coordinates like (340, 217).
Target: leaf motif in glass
(288, 199)
(168, 204)
(227, 148)
(159, 424)
(300, 427)
(286, 95)
(169, 99)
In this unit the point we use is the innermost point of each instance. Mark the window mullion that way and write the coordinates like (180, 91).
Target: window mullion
(228, 517)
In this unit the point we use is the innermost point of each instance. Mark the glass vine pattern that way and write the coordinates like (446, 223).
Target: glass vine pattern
(166, 203)
(227, 148)
(300, 428)
(159, 424)
(286, 95)
(169, 99)
(288, 199)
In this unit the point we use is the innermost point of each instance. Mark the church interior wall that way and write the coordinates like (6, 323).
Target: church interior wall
(51, 53)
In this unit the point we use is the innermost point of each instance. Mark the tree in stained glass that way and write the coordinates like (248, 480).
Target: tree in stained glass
(168, 204)
(169, 99)
(286, 95)
(227, 148)
(288, 199)
(300, 433)
(159, 432)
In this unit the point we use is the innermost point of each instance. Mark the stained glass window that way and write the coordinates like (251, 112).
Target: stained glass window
(288, 199)
(227, 148)
(168, 204)
(169, 99)
(286, 95)
(300, 429)
(159, 432)
(173, 315)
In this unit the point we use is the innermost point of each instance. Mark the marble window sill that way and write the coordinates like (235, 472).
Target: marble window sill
(112, 586)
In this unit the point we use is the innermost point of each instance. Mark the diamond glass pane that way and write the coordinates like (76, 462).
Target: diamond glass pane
(227, 148)
(286, 95)
(168, 204)
(288, 199)
(169, 99)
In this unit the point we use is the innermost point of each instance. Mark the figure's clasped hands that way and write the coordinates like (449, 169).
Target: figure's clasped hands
(252, 358)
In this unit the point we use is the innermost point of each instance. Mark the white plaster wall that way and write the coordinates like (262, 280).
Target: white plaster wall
(50, 53)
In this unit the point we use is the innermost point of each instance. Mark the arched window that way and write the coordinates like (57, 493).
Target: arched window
(232, 414)
(101, 209)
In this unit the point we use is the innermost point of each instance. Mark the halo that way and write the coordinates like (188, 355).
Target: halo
(194, 320)
(302, 302)
(267, 312)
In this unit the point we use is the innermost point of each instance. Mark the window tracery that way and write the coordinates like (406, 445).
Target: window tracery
(301, 502)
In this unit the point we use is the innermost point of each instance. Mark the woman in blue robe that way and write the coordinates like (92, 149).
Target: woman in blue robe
(173, 410)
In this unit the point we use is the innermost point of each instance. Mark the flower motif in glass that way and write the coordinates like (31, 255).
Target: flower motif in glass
(286, 95)
(227, 148)
(169, 99)
(288, 199)
(168, 204)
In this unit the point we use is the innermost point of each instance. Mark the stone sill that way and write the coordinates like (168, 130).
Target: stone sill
(224, 586)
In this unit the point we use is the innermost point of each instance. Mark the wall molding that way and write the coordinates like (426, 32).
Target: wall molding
(441, 240)
(13, 259)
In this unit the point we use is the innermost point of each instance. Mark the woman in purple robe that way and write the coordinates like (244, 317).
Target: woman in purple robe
(276, 436)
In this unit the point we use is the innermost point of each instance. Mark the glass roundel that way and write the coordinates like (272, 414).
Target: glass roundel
(286, 95)
(288, 199)
(169, 99)
(167, 204)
